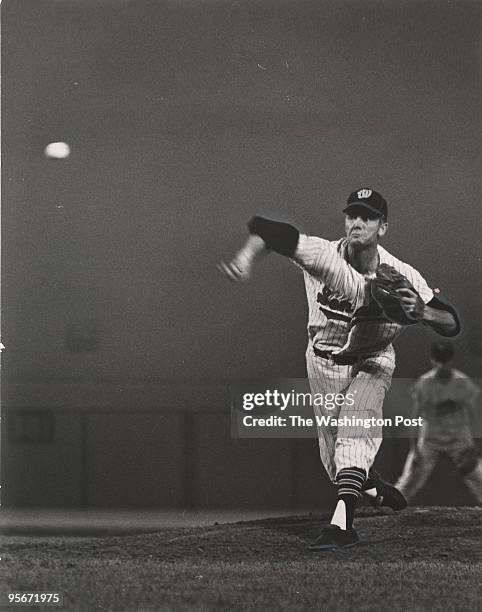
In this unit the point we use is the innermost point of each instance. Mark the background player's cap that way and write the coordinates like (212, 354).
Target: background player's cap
(369, 199)
(442, 351)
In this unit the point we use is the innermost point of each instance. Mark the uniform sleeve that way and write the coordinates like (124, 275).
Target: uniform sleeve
(419, 283)
(279, 236)
(421, 286)
(413, 275)
(321, 259)
(318, 257)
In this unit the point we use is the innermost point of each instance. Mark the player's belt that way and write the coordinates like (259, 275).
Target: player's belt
(342, 360)
(323, 354)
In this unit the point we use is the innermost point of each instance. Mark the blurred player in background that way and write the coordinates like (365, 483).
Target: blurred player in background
(445, 398)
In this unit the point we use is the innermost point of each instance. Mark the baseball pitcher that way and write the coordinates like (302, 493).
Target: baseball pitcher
(359, 298)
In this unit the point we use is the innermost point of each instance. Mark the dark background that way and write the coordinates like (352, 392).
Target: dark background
(184, 119)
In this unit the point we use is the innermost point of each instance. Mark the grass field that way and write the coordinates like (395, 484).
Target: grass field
(421, 559)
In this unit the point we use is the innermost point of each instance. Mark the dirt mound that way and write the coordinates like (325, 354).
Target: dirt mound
(420, 559)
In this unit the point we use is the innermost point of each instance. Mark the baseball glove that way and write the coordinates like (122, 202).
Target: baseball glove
(396, 295)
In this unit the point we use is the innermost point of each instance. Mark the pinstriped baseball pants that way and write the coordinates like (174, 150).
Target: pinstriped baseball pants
(369, 380)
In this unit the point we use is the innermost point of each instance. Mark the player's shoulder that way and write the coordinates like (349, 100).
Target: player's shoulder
(411, 273)
(464, 379)
(401, 266)
(339, 246)
(422, 385)
(459, 374)
(425, 379)
(427, 375)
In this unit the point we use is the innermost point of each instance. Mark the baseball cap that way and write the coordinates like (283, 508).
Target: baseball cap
(369, 199)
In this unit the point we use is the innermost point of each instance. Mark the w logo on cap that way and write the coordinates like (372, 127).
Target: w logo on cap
(369, 199)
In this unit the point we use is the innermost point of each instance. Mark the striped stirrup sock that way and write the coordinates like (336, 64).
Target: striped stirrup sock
(349, 482)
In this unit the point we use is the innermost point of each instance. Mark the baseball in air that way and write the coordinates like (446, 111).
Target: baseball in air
(57, 150)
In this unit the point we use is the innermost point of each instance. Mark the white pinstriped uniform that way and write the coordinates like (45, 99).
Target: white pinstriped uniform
(444, 405)
(343, 318)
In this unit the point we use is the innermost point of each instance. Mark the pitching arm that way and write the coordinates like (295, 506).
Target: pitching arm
(315, 255)
(241, 265)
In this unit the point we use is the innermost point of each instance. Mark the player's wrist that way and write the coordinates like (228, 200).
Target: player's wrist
(254, 246)
(427, 315)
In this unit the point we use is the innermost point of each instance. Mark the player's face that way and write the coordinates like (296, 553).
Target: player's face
(363, 228)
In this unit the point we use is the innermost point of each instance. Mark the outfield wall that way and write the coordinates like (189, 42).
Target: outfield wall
(141, 445)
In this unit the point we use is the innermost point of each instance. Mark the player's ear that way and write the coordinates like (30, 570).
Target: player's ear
(382, 228)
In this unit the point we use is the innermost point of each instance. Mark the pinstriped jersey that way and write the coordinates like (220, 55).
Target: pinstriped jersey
(332, 312)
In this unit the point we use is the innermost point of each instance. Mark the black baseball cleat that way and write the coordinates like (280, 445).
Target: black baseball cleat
(387, 494)
(334, 538)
